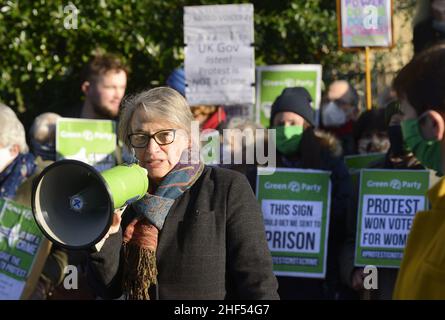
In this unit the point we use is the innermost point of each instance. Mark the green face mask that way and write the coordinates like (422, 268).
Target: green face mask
(288, 138)
(426, 151)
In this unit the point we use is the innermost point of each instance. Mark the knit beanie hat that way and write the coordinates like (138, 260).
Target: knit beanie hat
(297, 100)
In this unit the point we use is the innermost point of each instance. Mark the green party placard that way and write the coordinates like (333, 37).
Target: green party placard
(91, 141)
(20, 240)
(388, 201)
(361, 161)
(295, 205)
(271, 80)
(357, 162)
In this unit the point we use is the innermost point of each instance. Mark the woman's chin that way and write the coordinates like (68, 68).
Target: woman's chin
(157, 174)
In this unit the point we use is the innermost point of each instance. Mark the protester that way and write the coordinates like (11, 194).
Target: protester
(104, 81)
(16, 163)
(43, 136)
(370, 132)
(340, 112)
(211, 242)
(420, 88)
(300, 145)
(397, 157)
(18, 169)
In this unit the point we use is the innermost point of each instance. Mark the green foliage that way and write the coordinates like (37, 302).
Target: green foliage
(40, 59)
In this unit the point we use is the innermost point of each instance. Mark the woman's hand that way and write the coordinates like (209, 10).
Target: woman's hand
(117, 218)
(114, 228)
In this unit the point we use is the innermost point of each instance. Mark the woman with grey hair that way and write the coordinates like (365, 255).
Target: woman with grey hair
(16, 164)
(212, 242)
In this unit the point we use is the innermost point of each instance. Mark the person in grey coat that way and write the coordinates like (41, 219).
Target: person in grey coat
(197, 234)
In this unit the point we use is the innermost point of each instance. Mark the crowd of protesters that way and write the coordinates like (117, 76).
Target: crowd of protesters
(210, 241)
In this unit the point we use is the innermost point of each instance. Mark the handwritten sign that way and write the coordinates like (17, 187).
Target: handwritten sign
(219, 56)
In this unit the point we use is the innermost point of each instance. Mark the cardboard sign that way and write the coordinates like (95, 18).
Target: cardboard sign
(296, 205)
(271, 80)
(365, 23)
(91, 141)
(219, 54)
(388, 201)
(20, 246)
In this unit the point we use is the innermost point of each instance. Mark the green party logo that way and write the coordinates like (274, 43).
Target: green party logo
(395, 184)
(293, 186)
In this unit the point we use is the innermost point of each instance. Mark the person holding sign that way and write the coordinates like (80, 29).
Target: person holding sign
(397, 157)
(17, 170)
(300, 145)
(197, 234)
(420, 88)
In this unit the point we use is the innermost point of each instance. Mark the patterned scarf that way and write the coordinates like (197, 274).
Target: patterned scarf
(15, 174)
(140, 269)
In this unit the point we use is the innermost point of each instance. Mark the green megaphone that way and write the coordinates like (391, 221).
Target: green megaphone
(73, 203)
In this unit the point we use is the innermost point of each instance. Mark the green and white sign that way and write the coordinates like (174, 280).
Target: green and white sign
(20, 239)
(388, 201)
(271, 80)
(295, 205)
(362, 161)
(90, 141)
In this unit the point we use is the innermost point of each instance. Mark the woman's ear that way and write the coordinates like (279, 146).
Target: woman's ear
(85, 87)
(433, 126)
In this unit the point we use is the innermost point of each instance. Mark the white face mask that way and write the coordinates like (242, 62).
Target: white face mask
(5, 158)
(333, 116)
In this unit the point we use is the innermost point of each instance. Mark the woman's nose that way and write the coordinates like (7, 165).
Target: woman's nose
(152, 146)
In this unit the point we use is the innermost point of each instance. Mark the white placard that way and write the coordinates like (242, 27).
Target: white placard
(219, 54)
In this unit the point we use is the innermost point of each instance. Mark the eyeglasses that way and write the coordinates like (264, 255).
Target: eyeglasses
(162, 138)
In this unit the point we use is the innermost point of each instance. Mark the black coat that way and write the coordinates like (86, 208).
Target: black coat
(212, 245)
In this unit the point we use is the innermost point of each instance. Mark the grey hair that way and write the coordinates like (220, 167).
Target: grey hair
(43, 129)
(12, 131)
(160, 104)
